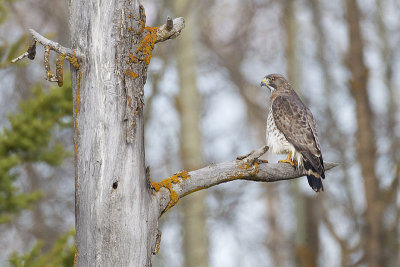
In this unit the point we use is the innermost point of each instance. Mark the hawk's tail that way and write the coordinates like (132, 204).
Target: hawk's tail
(315, 183)
(315, 174)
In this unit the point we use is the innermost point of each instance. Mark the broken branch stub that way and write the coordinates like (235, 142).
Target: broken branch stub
(169, 24)
(170, 30)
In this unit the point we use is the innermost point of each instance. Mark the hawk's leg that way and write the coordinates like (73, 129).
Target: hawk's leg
(289, 160)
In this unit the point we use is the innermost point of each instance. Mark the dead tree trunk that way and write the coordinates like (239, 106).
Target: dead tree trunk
(116, 212)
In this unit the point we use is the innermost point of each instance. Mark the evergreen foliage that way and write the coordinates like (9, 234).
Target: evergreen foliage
(29, 139)
(61, 254)
(10, 51)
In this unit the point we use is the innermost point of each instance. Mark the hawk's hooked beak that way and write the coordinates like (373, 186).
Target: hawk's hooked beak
(264, 82)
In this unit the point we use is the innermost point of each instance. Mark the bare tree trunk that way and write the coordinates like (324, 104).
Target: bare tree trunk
(365, 147)
(116, 215)
(274, 239)
(391, 194)
(306, 235)
(195, 243)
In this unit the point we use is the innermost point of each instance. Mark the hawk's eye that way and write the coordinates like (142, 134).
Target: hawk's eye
(272, 79)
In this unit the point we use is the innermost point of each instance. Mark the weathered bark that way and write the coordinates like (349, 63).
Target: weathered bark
(195, 243)
(116, 212)
(365, 146)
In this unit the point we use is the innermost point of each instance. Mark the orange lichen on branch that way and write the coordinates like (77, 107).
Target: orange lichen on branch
(168, 184)
(59, 69)
(147, 44)
(254, 168)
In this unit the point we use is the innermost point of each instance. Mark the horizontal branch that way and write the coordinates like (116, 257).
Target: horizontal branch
(170, 30)
(184, 183)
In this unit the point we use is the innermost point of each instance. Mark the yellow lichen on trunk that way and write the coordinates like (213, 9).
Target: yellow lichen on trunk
(76, 256)
(73, 60)
(144, 51)
(131, 73)
(132, 59)
(77, 103)
(147, 44)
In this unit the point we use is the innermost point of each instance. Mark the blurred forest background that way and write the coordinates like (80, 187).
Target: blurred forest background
(204, 105)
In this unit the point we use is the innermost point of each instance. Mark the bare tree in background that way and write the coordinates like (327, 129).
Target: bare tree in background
(365, 146)
(195, 239)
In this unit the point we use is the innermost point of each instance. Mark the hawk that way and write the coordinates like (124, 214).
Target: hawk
(291, 129)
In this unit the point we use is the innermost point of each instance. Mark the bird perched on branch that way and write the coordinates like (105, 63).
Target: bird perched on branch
(291, 129)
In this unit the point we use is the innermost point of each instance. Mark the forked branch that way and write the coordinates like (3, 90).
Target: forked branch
(63, 53)
(170, 190)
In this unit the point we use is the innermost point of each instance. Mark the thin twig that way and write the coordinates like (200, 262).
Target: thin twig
(31, 53)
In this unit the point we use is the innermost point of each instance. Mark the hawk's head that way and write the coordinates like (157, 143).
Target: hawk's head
(274, 82)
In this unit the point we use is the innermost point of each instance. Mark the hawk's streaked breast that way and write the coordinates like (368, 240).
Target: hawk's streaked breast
(277, 141)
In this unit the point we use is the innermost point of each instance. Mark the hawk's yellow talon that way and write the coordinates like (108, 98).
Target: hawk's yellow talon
(289, 160)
